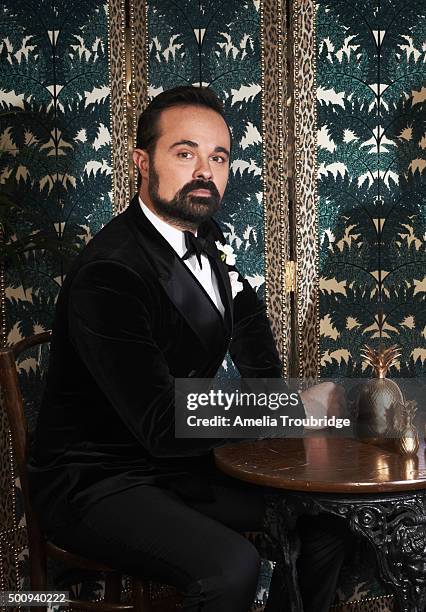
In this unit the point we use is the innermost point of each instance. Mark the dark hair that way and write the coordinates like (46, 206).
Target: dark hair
(147, 133)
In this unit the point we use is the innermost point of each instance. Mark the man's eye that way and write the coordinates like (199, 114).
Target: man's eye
(219, 159)
(185, 154)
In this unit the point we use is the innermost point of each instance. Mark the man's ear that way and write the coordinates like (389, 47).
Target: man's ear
(141, 159)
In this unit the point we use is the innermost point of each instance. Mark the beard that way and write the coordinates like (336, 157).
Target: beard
(184, 206)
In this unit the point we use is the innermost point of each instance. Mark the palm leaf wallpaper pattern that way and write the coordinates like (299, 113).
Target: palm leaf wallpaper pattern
(56, 164)
(54, 129)
(371, 92)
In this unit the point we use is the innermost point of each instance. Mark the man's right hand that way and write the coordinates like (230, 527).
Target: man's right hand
(324, 400)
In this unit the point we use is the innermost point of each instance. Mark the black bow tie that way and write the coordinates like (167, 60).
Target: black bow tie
(197, 246)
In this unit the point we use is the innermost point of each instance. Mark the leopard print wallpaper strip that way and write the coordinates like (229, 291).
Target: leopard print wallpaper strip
(275, 162)
(6, 477)
(139, 71)
(13, 547)
(370, 604)
(3, 326)
(118, 106)
(13, 552)
(305, 188)
(9, 535)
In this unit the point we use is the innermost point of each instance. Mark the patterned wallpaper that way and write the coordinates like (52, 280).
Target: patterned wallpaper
(55, 166)
(55, 139)
(371, 94)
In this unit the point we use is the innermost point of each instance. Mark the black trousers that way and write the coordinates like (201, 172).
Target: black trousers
(199, 547)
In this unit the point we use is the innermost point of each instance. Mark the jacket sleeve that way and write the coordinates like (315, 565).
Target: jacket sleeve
(252, 347)
(110, 326)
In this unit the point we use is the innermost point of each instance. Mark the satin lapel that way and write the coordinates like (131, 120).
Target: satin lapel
(222, 271)
(209, 231)
(182, 288)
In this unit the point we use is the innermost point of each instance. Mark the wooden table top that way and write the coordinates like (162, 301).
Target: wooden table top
(326, 465)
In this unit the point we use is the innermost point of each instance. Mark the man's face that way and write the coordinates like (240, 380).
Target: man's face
(188, 171)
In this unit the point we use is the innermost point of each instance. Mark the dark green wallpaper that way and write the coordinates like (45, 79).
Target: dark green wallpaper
(371, 91)
(55, 184)
(55, 141)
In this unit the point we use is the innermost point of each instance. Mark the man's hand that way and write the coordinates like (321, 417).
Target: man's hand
(323, 400)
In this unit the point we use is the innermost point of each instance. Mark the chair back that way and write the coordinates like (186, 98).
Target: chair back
(13, 403)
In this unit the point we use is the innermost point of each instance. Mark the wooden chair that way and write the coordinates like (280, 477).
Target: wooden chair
(39, 547)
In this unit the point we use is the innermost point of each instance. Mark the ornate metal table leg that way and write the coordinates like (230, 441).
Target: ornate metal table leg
(395, 526)
(397, 530)
(280, 527)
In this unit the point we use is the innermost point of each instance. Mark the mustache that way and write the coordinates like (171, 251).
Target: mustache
(199, 184)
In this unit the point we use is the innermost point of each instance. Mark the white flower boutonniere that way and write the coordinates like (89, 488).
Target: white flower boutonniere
(227, 255)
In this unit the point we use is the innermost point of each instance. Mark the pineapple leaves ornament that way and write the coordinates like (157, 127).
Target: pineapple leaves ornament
(381, 360)
(379, 395)
(408, 441)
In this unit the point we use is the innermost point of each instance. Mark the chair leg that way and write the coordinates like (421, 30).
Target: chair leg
(141, 598)
(112, 588)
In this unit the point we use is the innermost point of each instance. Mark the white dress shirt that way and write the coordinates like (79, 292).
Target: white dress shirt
(175, 237)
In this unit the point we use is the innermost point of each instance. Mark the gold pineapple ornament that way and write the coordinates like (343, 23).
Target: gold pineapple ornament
(408, 441)
(378, 395)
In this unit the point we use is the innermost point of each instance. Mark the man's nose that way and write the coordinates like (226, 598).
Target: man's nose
(203, 170)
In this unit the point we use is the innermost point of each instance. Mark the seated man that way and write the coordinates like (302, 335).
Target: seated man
(143, 304)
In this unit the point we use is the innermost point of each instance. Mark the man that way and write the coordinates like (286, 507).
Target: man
(142, 305)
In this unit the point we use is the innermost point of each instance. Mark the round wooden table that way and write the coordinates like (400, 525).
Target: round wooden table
(380, 494)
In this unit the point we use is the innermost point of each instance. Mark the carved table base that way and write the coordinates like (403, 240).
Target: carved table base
(394, 524)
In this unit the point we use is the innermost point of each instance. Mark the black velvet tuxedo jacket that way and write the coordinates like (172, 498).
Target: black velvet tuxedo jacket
(129, 319)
